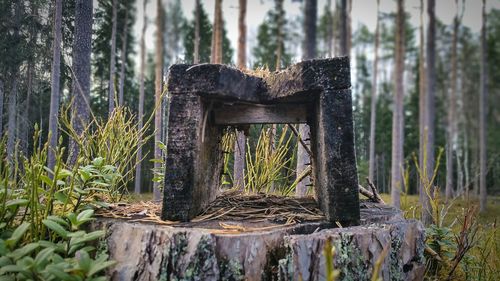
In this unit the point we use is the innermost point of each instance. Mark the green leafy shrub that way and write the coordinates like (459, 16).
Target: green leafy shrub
(66, 254)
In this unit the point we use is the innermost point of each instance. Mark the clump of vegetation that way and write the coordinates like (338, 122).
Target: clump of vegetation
(264, 167)
(43, 212)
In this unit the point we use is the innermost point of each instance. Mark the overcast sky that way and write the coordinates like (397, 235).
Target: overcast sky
(363, 11)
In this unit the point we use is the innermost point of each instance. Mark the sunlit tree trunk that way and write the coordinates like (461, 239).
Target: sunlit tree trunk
(240, 144)
(160, 26)
(197, 33)
(123, 59)
(82, 48)
(309, 52)
(482, 115)
(55, 87)
(397, 116)
(373, 106)
(140, 114)
(112, 62)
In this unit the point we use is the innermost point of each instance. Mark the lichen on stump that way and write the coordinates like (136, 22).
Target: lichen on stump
(207, 97)
(145, 251)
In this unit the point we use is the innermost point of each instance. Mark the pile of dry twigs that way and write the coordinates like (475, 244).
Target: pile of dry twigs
(229, 206)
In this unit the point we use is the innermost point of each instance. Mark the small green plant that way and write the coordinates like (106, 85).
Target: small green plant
(66, 254)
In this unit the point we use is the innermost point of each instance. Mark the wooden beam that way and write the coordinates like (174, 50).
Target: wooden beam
(239, 114)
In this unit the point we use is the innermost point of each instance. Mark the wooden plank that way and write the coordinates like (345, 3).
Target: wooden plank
(239, 114)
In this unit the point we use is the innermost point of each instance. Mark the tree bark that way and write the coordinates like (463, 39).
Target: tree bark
(330, 29)
(309, 52)
(196, 56)
(373, 106)
(140, 114)
(344, 51)
(452, 120)
(482, 115)
(82, 48)
(112, 66)
(279, 36)
(12, 101)
(123, 59)
(160, 26)
(240, 144)
(424, 200)
(429, 112)
(216, 55)
(398, 117)
(55, 87)
(1, 107)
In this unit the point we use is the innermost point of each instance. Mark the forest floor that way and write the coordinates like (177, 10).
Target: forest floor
(411, 207)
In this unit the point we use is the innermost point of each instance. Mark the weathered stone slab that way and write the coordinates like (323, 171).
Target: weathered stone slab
(309, 76)
(214, 81)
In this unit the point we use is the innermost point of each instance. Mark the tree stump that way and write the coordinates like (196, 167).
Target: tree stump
(146, 251)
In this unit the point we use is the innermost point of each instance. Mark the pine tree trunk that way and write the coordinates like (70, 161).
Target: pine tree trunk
(123, 59)
(11, 120)
(55, 87)
(482, 116)
(279, 36)
(343, 28)
(452, 123)
(330, 29)
(160, 26)
(197, 33)
(429, 111)
(309, 52)
(398, 118)
(421, 109)
(140, 114)
(1, 107)
(112, 62)
(82, 48)
(242, 35)
(12, 101)
(373, 107)
(216, 54)
(240, 144)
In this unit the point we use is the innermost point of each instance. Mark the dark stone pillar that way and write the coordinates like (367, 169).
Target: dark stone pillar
(193, 160)
(334, 161)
